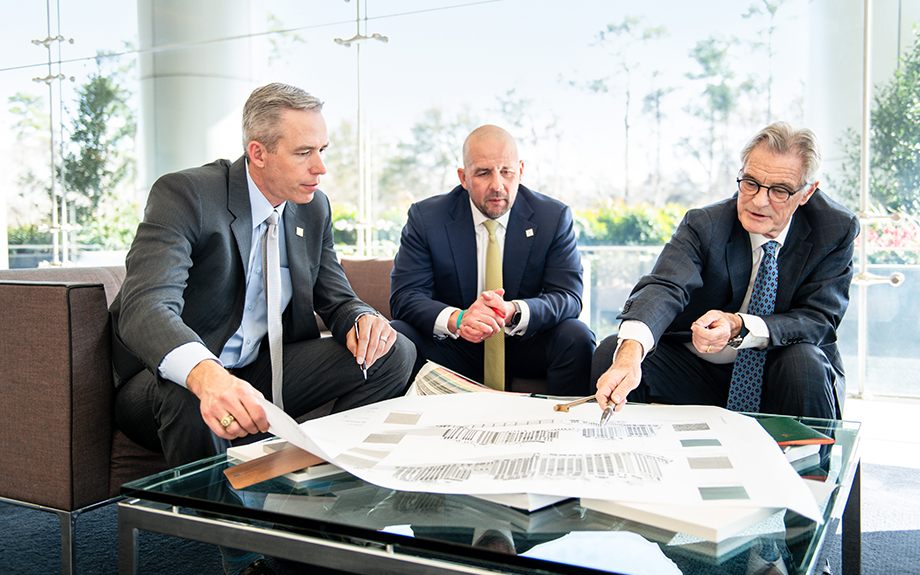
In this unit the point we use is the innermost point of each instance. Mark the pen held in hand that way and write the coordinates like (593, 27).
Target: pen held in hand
(608, 411)
(363, 363)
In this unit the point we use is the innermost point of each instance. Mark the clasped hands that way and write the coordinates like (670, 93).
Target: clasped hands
(488, 316)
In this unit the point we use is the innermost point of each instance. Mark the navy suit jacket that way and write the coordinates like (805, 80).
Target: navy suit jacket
(707, 265)
(436, 264)
(186, 270)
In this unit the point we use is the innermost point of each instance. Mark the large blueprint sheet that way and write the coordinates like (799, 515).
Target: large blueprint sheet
(483, 443)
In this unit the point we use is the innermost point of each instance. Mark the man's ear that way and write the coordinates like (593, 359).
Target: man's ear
(256, 153)
(461, 173)
(809, 193)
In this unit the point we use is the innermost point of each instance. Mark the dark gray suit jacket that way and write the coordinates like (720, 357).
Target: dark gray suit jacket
(707, 265)
(186, 270)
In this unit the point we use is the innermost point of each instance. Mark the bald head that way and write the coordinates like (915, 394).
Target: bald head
(491, 170)
(488, 134)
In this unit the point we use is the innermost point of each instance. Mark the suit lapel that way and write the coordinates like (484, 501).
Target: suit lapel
(519, 239)
(462, 241)
(238, 204)
(739, 258)
(791, 261)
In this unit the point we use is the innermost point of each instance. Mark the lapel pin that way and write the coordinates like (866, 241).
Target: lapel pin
(529, 233)
(299, 232)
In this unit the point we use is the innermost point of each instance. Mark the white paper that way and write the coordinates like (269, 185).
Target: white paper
(489, 443)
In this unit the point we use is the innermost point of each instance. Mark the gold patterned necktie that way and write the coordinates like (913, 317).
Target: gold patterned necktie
(271, 275)
(495, 346)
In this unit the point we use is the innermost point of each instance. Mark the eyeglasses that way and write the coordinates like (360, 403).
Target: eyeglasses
(778, 194)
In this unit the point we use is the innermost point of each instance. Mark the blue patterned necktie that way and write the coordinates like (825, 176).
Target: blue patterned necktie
(747, 375)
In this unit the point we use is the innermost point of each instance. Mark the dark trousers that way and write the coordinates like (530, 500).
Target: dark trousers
(798, 379)
(562, 355)
(165, 417)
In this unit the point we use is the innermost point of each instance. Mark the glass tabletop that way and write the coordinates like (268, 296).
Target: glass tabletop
(561, 538)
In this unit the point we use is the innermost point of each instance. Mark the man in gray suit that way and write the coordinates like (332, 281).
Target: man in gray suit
(685, 322)
(190, 319)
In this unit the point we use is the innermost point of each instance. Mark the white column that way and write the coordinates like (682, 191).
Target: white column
(192, 88)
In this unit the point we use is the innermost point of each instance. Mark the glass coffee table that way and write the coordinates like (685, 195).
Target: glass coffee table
(341, 522)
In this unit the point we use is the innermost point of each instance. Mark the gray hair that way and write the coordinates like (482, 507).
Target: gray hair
(781, 138)
(262, 112)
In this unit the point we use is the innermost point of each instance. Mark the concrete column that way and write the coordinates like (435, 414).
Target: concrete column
(192, 88)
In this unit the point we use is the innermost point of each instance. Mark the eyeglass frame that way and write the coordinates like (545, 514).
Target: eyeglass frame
(768, 188)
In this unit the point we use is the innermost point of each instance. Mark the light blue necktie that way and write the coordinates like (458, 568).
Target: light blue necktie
(271, 273)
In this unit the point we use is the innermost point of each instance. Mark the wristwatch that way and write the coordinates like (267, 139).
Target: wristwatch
(516, 318)
(735, 342)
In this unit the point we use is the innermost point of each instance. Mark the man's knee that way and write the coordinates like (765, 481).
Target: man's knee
(800, 380)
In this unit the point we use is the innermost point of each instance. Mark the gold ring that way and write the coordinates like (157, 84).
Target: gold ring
(227, 420)
(708, 349)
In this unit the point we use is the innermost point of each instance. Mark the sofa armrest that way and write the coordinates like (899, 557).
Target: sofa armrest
(56, 380)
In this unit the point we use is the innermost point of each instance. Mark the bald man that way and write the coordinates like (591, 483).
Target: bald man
(438, 297)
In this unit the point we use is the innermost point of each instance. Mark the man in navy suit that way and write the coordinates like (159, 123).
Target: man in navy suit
(684, 323)
(437, 293)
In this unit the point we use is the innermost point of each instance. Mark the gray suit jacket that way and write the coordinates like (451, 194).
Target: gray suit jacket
(707, 265)
(186, 270)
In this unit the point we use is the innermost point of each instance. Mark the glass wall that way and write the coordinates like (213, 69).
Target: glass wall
(631, 113)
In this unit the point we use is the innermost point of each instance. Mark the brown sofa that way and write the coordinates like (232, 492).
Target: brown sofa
(59, 450)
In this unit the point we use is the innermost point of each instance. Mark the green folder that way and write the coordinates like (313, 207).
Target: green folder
(789, 431)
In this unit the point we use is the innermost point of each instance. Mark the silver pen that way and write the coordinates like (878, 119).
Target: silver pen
(608, 411)
(363, 363)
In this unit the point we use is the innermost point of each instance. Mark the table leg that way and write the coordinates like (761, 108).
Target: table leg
(851, 536)
(127, 544)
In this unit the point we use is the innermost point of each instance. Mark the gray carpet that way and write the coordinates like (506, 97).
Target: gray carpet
(30, 540)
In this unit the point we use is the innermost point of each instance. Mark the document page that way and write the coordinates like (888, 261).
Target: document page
(477, 443)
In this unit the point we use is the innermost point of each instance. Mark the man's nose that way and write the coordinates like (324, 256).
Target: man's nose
(319, 166)
(497, 183)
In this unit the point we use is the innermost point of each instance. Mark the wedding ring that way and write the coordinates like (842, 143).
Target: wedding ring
(383, 338)
(226, 421)
(708, 349)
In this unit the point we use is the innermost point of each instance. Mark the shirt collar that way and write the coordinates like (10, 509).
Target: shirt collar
(260, 206)
(758, 240)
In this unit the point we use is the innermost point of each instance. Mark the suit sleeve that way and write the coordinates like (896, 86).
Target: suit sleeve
(157, 269)
(412, 281)
(560, 295)
(661, 295)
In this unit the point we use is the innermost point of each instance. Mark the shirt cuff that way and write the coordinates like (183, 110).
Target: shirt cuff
(758, 336)
(521, 327)
(440, 323)
(638, 331)
(182, 360)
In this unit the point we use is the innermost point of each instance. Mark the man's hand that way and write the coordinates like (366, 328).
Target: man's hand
(485, 318)
(374, 339)
(623, 376)
(223, 394)
(713, 330)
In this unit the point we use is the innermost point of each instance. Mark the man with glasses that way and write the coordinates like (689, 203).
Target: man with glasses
(742, 307)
